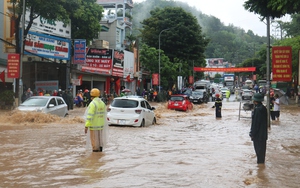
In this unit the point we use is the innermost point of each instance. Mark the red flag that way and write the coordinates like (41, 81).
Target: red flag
(2, 77)
(80, 78)
(117, 86)
(128, 78)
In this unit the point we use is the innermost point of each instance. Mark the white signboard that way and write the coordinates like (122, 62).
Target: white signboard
(128, 63)
(47, 46)
(50, 27)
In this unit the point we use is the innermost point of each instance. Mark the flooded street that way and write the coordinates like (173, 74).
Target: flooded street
(183, 150)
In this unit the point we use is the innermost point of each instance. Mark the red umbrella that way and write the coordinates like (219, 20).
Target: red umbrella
(126, 90)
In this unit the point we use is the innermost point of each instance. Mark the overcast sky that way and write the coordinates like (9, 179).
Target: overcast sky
(229, 12)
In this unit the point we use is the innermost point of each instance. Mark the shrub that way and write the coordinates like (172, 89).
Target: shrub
(7, 97)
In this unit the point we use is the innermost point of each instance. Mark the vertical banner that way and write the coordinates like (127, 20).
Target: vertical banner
(155, 79)
(79, 51)
(282, 63)
(13, 66)
(299, 68)
(191, 79)
(179, 82)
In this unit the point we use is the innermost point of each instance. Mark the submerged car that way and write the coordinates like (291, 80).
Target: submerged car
(180, 102)
(247, 94)
(45, 104)
(130, 111)
(199, 96)
(223, 91)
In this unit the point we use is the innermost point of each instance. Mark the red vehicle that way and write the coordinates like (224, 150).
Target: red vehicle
(180, 102)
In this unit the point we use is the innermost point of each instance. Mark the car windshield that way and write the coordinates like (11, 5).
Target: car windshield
(176, 98)
(35, 102)
(188, 91)
(198, 93)
(124, 103)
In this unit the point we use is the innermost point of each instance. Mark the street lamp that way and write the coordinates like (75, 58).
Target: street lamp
(159, 57)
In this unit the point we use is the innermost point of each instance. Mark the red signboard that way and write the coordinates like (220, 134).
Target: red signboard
(98, 61)
(13, 66)
(282, 63)
(233, 69)
(155, 79)
(191, 79)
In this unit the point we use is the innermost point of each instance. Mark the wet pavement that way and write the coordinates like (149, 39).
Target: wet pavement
(191, 150)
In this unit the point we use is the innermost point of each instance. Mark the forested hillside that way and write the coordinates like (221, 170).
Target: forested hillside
(232, 43)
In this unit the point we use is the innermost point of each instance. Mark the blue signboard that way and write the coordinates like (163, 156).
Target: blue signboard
(79, 51)
(47, 46)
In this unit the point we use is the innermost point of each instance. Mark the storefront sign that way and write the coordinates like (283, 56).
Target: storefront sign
(79, 51)
(282, 63)
(98, 61)
(13, 66)
(47, 46)
(46, 85)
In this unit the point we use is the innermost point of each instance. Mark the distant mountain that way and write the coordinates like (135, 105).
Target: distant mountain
(232, 43)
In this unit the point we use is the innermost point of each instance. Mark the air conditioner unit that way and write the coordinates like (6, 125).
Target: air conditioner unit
(31, 58)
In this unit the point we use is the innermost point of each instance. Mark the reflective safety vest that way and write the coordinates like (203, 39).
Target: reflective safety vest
(95, 118)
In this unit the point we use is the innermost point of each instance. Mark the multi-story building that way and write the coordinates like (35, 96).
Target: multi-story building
(4, 19)
(116, 25)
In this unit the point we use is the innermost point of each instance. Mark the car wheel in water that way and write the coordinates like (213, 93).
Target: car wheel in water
(154, 121)
(142, 123)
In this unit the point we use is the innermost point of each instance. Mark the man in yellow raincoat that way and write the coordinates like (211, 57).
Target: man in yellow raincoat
(96, 122)
(227, 95)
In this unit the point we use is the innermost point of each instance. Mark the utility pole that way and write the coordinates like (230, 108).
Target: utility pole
(19, 85)
(268, 70)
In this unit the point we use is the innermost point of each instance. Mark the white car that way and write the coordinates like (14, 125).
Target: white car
(45, 104)
(223, 91)
(130, 111)
(247, 94)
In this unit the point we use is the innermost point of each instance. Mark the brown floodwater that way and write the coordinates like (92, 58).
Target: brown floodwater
(191, 150)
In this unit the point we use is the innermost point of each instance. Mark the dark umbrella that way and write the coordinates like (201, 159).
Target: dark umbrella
(282, 97)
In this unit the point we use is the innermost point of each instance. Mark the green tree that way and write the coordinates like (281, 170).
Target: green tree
(182, 39)
(273, 8)
(292, 28)
(149, 61)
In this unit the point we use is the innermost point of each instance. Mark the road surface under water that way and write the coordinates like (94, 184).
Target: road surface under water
(191, 149)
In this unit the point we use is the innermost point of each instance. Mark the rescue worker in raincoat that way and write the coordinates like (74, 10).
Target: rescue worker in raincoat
(272, 99)
(96, 123)
(218, 106)
(227, 95)
(259, 128)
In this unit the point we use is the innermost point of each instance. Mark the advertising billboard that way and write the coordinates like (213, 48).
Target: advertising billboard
(98, 61)
(47, 46)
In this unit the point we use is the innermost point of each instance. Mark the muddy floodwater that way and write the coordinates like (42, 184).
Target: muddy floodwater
(184, 149)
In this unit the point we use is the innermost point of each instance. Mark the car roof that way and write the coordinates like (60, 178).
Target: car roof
(178, 95)
(137, 98)
(45, 97)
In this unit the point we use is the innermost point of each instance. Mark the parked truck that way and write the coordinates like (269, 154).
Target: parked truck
(229, 82)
